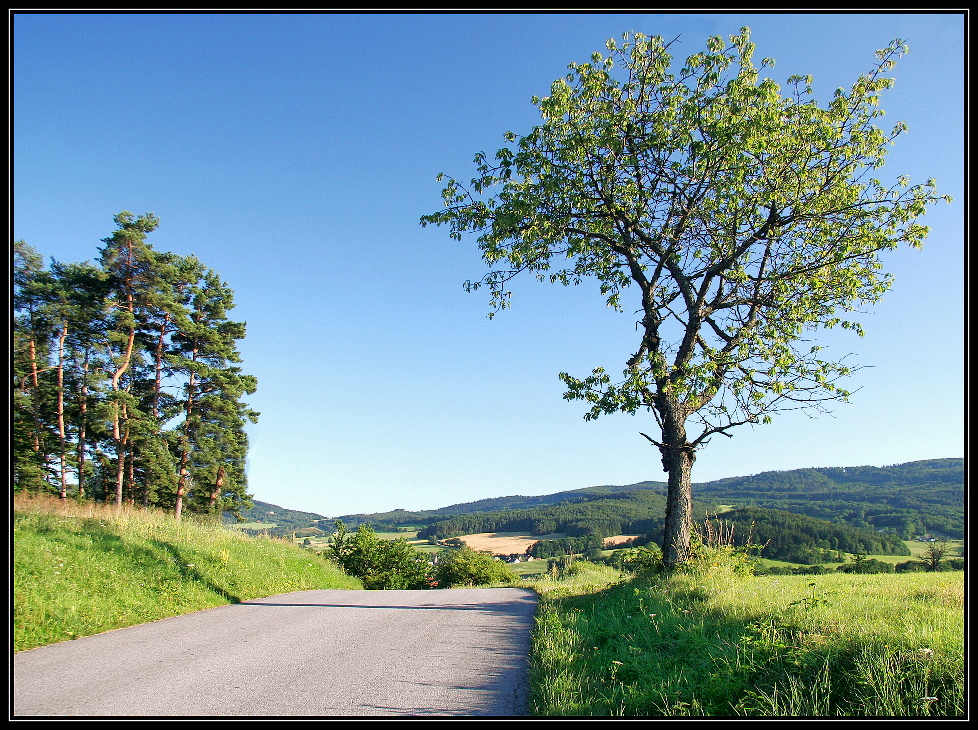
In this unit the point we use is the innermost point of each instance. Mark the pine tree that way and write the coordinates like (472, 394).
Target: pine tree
(30, 354)
(127, 375)
(212, 444)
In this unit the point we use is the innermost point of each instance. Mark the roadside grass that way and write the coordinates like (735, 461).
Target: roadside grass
(80, 569)
(715, 644)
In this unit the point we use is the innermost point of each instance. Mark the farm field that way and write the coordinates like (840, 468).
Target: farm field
(919, 549)
(505, 543)
(252, 525)
(610, 543)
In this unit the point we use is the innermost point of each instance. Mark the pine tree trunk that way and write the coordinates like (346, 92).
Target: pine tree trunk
(62, 433)
(181, 489)
(82, 428)
(158, 385)
(218, 488)
(120, 454)
(183, 473)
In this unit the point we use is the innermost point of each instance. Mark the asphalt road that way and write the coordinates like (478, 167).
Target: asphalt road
(460, 652)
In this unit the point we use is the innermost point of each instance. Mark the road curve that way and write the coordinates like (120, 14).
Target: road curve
(313, 653)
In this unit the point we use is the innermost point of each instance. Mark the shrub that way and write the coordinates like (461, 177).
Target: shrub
(380, 564)
(466, 567)
(861, 564)
(638, 559)
(911, 566)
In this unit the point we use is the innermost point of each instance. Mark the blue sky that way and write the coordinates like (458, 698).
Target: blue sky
(295, 155)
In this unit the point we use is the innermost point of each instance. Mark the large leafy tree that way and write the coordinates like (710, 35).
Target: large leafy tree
(735, 216)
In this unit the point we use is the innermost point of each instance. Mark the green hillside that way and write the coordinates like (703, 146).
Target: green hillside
(906, 499)
(798, 538)
(84, 568)
(496, 504)
(274, 519)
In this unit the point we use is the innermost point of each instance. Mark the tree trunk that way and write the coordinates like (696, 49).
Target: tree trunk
(183, 474)
(82, 427)
(131, 474)
(158, 385)
(218, 488)
(120, 453)
(677, 460)
(62, 434)
(181, 490)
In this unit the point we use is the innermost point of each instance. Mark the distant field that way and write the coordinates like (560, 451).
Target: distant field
(407, 535)
(253, 525)
(530, 568)
(505, 543)
(919, 549)
(611, 542)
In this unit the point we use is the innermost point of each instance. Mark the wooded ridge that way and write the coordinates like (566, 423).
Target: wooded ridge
(904, 500)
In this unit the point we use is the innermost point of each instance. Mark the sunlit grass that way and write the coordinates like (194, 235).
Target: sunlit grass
(80, 569)
(715, 645)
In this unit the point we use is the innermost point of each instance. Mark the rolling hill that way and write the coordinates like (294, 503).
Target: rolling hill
(905, 499)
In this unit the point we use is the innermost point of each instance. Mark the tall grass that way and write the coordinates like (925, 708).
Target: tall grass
(83, 568)
(714, 643)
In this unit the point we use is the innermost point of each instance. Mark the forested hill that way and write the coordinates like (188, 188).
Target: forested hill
(907, 499)
(285, 520)
(802, 539)
(499, 504)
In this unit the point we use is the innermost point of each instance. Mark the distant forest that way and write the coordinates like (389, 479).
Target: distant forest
(904, 500)
(798, 538)
(807, 516)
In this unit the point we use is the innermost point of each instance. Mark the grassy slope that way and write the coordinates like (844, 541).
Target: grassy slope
(83, 569)
(714, 644)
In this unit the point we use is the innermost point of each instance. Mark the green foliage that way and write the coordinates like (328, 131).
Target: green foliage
(737, 219)
(903, 499)
(285, 521)
(913, 496)
(637, 559)
(637, 511)
(380, 564)
(802, 539)
(585, 545)
(127, 386)
(862, 564)
(466, 567)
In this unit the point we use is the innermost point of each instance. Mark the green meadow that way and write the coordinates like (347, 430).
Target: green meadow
(715, 643)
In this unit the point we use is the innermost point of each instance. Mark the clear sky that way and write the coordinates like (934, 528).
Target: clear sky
(295, 155)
